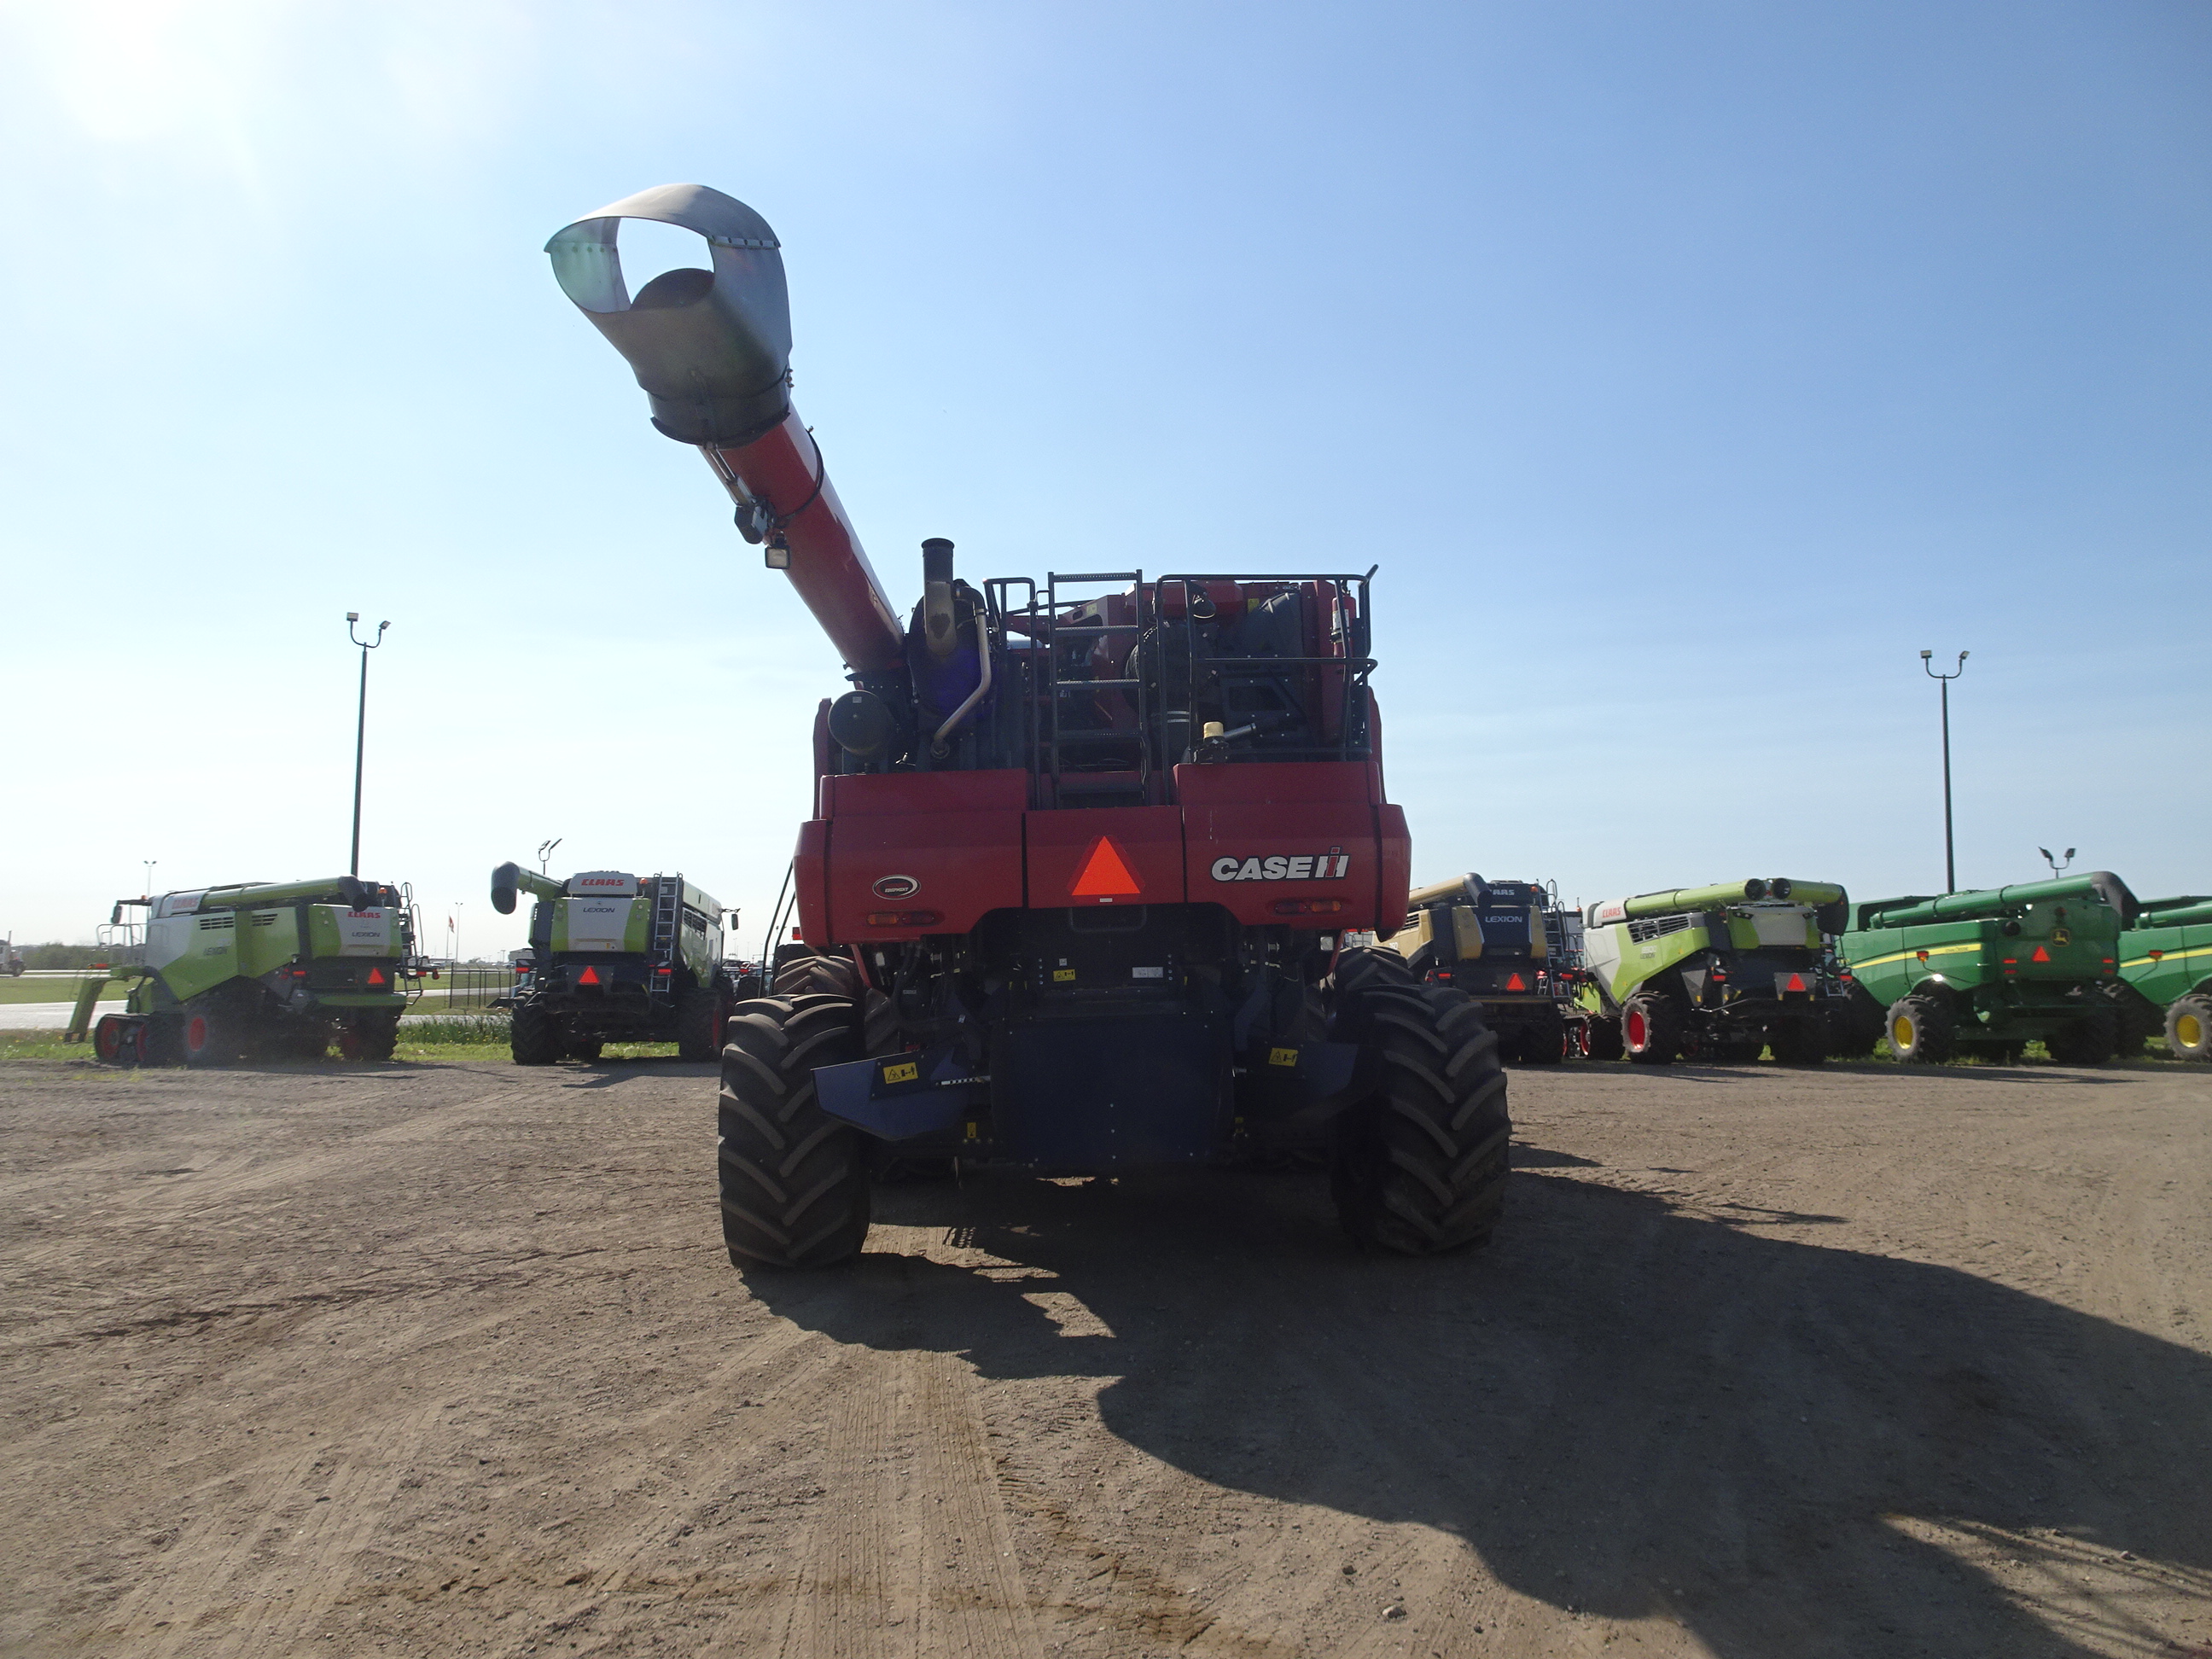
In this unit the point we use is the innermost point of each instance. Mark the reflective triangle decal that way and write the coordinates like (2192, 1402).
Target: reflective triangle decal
(1104, 875)
(1517, 983)
(589, 977)
(1796, 982)
(376, 977)
(2041, 955)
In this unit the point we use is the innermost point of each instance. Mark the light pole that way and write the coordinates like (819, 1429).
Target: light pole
(1950, 864)
(361, 728)
(457, 932)
(2057, 868)
(149, 864)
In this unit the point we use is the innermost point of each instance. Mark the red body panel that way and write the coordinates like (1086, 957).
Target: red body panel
(783, 471)
(957, 836)
(1257, 835)
(1145, 841)
(1246, 837)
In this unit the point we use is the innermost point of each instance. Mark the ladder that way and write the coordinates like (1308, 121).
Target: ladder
(667, 919)
(1058, 739)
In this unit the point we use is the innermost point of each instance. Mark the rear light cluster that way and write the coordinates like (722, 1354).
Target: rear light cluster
(904, 918)
(1310, 907)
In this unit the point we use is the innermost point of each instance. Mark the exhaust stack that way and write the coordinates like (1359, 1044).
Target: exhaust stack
(713, 351)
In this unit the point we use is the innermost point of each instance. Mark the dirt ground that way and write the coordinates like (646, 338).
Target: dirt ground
(437, 1360)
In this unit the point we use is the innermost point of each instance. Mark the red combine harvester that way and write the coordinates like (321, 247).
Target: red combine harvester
(1083, 854)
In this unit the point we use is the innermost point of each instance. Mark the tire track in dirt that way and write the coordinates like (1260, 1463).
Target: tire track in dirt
(215, 1597)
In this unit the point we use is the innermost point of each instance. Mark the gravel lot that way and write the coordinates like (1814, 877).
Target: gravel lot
(446, 1359)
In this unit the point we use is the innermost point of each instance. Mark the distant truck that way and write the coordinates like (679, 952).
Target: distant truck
(616, 957)
(1505, 944)
(258, 970)
(1985, 972)
(11, 959)
(2165, 985)
(1719, 973)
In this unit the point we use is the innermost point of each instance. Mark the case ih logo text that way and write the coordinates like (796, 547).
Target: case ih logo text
(1320, 866)
(896, 887)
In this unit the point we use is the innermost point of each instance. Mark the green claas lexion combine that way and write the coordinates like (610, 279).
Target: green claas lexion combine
(1983, 973)
(2165, 984)
(616, 958)
(257, 970)
(1506, 944)
(1715, 973)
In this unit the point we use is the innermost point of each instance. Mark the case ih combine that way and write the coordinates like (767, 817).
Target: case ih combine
(1086, 846)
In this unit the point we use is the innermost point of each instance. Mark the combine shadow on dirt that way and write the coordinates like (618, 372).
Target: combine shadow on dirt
(1624, 1407)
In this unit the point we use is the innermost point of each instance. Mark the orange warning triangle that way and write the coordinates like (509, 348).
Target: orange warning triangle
(376, 977)
(1796, 982)
(1516, 984)
(2041, 955)
(1104, 875)
(589, 977)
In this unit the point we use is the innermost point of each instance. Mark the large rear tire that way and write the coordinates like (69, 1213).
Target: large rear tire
(700, 1017)
(793, 1179)
(1651, 1026)
(818, 976)
(2135, 1017)
(1597, 1037)
(533, 1036)
(1920, 1031)
(204, 1037)
(2188, 1029)
(1546, 1042)
(1420, 1162)
(2088, 1041)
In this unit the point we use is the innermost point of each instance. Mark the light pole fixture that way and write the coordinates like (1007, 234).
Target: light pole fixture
(149, 864)
(2057, 867)
(361, 727)
(1950, 863)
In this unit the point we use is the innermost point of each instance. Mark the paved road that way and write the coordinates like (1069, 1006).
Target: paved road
(435, 1360)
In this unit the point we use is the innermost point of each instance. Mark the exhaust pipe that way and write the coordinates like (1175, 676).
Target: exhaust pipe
(713, 351)
(937, 598)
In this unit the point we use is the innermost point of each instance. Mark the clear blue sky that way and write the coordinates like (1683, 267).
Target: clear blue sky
(1686, 369)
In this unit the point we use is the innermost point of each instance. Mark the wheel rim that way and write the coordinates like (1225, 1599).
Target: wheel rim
(1901, 1031)
(1637, 1028)
(106, 1040)
(196, 1034)
(2189, 1030)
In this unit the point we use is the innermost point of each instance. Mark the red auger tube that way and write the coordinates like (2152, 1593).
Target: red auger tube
(713, 351)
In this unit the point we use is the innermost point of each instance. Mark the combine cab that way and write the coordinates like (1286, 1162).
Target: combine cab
(1983, 973)
(258, 971)
(1083, 852)
(1709, 973)
(1509, 945)
(615, 957)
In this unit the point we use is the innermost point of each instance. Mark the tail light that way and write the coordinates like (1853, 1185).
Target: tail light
(904, 918)
(1310, 907)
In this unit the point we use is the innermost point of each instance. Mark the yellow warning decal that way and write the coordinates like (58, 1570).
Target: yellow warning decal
(1062, 975)
(905, 1071)
(1282, 1056)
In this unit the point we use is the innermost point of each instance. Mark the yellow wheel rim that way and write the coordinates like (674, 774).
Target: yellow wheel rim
(2189, 1030)
(1901, 1031)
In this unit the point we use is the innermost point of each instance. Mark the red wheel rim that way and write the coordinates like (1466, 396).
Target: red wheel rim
(142, 1044)
(196, 1034)
(107, 1040)
(1637, 1029)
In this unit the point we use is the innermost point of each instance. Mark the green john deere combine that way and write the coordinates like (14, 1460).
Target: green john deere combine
(2165, 987)
(1984, 972)
(1708, 973)
(616, 958)
(257, 971)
